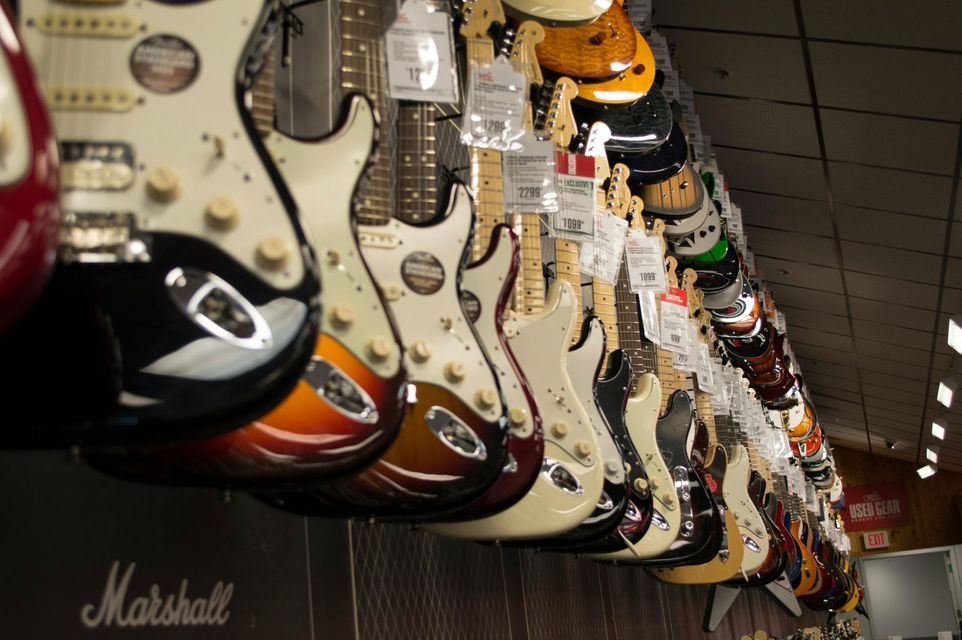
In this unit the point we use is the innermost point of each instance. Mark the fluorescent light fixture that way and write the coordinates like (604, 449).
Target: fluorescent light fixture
(955, 332)
(926, 472)
(947, 388)
(932, 454)
(939, 426)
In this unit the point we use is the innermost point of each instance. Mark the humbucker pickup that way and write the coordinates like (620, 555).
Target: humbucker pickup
(87, 25)
(101, 238)
(80, 98)
(96, 166)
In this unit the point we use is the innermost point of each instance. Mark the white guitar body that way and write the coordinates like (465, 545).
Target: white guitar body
(750, 524)
(569, 486)
(561, 12)
(641, 417)
(422, 289)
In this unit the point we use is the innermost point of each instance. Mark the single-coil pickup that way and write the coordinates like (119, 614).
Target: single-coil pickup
(377, 240)
(87, 24)
(94, 3)
(96, 166)
(64, 98)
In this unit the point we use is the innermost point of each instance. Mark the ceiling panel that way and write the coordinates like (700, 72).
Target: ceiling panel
(758, 124)
(913, 338)
(780, 212)
(810, 366)
(955, 246)
(762, 16)
(860, 77)
(808, 298)
(823, 354)
(897, 22)
(815, 320)
(888, 312)
(825, 382)
(797, 274)
(873, 362)
(821, 339)
(906, 408)
(772, 173)
(889, 393)
(890, 189)
(790, 245)
(885, 380)
(904, 355)
(915, 294)
(757, 67)
(888, 261)
(911, 232)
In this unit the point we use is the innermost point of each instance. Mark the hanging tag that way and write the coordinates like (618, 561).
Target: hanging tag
(674, 320)
(703, 369)
(529, 177)
(420, 55)
(671, 87)
(660, 51)
(645, 261)
(601, 258)
(695, 135)
(649, 316)
(492, 110)
(575, 219)
(640, 13)
(685, 361)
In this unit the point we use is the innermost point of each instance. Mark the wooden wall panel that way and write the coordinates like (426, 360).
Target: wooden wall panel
(936, 520)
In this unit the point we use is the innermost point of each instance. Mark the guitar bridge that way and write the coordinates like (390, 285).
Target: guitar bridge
(102, 238)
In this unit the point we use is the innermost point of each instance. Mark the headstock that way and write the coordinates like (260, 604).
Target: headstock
(618, 199)
(559, 121)
(522, 53)
(671, 271)
(479, 15)
(598, 134)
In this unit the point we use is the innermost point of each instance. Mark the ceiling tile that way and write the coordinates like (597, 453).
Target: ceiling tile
(889, 351)
(838, 394)
(953, 272)
(903, 417)
(870, 139)
(759, 124)
(810, 366)
(772, 173)
(955, 247)
(890, 190)
(814, 320)
(951, 304)
(822, 354)
(890, 229)
(758, 67)
(796, 274)
(891, 313)
(789, 245)
(905, 337)
(850, 410)
(885, 380)
(808, 298)
(924, 23)
(821, 339)
(889, 261)
(916, 294)
(779, 212)
(860, 77)
(915, 409)
(822, 381)
(873, 392)
(760, 16)
(878, 361)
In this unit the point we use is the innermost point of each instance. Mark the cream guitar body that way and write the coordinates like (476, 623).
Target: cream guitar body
(750, 524)
(560, 12)
(569, 484)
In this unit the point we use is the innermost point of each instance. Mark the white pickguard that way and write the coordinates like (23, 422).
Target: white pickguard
(642, 420)
(582, 364)
(750, 523)
(568, 11)
(180, 131)
(322, 176)
(435, 320)
(540, 343)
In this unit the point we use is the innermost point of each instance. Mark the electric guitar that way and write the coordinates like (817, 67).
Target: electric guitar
(602, 49)
(663, 162)
(676, 197)
(185, 313)
(557, 12)
(452, 444)
(29, 182)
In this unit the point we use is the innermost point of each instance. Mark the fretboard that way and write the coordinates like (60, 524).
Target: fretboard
(362, 71)
(640, 351)
(262, 96)
(417, 183)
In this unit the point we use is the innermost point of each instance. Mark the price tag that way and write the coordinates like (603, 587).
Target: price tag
(601, 258)
(671, 87)
(661, 52)
(674, 320)
(645, 261)
(529, 177)
(703, 369)
(706, 153)
(694, 135)
(735, 222)
(575, 179)
(640, 13)
(420, 55)
(749, 261)
(686, 96)
(686, 361)
(649, 316)
(492, 110)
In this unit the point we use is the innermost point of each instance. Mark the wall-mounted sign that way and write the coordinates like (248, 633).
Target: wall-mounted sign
(876, 506)
(875, 539)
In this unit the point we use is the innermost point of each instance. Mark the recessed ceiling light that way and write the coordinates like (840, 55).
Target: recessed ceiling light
(939, 427)
(932, 454)
(955, 332)
(784, 272)
(926, 472)
(947, 388)
(722, 74)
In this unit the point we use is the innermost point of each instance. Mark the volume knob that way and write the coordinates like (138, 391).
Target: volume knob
(163, 185)
(420, 351)
(454, 371)
(485, 398)
(517, 417)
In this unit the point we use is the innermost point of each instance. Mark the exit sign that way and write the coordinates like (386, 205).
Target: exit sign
(876, 539)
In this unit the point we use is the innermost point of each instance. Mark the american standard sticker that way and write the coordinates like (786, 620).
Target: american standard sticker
(165, 64)
(423, 273)
(154, 609)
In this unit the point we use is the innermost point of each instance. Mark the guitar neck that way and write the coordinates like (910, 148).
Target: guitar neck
(417, 175)
(568, 267)
(362, 71)
(671, 378)
(707, 415)
(603, 301)
(262, 96)
(640, 351)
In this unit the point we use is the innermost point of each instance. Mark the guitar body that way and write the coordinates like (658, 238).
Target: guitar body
(811, 577)
(793, 568)
(191, 331)
(776, 560)
(29, 184)
(659, 164)
(637, 128)
(679, 196)
(568, 487)
(751, 526)
(348, 405)
(629, 85)
(602, 48)
(492, 278)
(557, 12)
(452, 444)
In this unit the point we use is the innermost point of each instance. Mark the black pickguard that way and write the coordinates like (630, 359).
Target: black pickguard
(640, 127)
(658, 165)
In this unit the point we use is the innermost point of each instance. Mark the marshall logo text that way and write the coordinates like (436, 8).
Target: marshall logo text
(154, 609)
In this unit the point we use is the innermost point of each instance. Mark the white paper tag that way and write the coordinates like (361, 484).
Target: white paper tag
(601, 258)
(649, 316)
(674, 320)
(703, 369)
(671, 87)
(695, 135)
(640, 13)
(420, 55)
(645, 262)
(492, 110)
(685, 361)
(575, 179)
(660, 51)
(735, 222)
(529, 177)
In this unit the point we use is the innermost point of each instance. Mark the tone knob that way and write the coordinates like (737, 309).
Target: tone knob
(163, 185)
(343, 315)
(668, 498)
(420, 351)
(517, 417)
(641, 485)
(379, 348)
(582, 449)
(559, 429)
(612, 466)
(759, 531)
(655, 484)
(272, 253)
(485, 398)
(454, 371)
(222, 213)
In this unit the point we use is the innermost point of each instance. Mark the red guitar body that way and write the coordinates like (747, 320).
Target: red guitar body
(29, 183)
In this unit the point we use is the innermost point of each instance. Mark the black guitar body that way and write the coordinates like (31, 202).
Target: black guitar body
(639, 127)
(126, 364)
(657, 165)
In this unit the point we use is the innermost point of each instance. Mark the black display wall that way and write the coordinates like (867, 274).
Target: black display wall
(266, 574)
